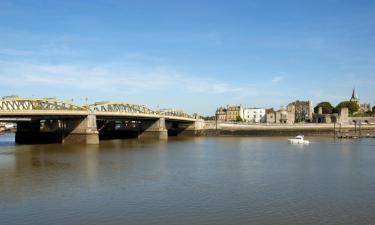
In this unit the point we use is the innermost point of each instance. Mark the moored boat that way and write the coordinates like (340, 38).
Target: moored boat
(298, 140)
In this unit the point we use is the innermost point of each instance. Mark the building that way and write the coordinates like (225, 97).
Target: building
(234, 113)
(230, 113)
(354, 97)
(321, 117)
(291, 113)
(221, 114)
(342, 117)
(254, 115)
(303, 111)
(280, 116)
(364, 107)
(270, 115)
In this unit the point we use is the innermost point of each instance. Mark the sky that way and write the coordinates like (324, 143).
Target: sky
(192, 55)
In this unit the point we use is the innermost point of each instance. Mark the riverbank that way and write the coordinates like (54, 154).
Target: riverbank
(231, 129)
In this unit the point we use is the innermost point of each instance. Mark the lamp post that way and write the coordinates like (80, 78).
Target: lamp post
(86, 103)
(334, 129)
(216, 122)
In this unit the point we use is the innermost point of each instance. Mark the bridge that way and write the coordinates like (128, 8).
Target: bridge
(50, 120)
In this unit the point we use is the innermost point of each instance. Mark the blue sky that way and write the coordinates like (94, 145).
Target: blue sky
(191, 55)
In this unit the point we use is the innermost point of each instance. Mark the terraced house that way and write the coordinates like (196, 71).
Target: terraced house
(230, 113)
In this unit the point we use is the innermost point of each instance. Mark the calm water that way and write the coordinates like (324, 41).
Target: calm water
(191, 181)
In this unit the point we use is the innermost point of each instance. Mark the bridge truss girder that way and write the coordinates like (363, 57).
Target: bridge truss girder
(12, 104)
(52, 104)
(175, 113)
(121, 107)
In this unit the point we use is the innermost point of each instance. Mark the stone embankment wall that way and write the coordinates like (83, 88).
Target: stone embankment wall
(362, 119)
(233, 129)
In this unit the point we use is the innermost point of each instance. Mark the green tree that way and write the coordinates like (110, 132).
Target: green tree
(238, 119)
(209, 117)
(352, 106)
(327, 108)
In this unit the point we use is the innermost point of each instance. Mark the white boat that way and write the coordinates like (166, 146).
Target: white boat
(9, 126)
(298, 140)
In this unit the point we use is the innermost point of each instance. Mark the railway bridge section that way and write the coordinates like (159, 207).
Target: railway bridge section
(49, 120)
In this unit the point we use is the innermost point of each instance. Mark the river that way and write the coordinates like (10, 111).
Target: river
(219, 180)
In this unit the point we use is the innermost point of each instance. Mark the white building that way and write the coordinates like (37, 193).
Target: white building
(255, 115)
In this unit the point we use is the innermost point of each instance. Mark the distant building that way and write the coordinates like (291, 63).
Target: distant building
(280, 116)
(221, 114)
(364, 107)
(342, 117)
(234, 113)
(354, 97)
(291, 116)
(230, 113)
(270, 115)
(324, 118)
(255, 115)
(303, 111)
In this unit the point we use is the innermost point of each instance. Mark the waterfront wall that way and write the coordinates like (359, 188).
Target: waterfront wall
(362, 119)
(232, 129)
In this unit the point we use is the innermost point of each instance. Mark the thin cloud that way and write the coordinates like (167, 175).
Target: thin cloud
(120, 78)
(40, 51)
(277, 79)
(15, 52)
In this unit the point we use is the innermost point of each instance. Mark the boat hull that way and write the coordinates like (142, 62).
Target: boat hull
(296, 141)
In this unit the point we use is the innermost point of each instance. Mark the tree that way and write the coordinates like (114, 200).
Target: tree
(238, 119)
(327, 108)
(209, 117)
(352, 106)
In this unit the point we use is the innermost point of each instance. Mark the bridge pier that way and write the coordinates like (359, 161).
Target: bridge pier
(153, 129)
(81, 131)
(190, 129)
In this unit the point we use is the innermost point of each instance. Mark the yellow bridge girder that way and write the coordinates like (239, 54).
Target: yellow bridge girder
(14, 103)
(175, 113)
(120, 107)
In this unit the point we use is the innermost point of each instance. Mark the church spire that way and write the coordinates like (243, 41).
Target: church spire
(354, 96)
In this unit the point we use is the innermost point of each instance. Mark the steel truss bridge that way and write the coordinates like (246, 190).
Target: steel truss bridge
(23, 107)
